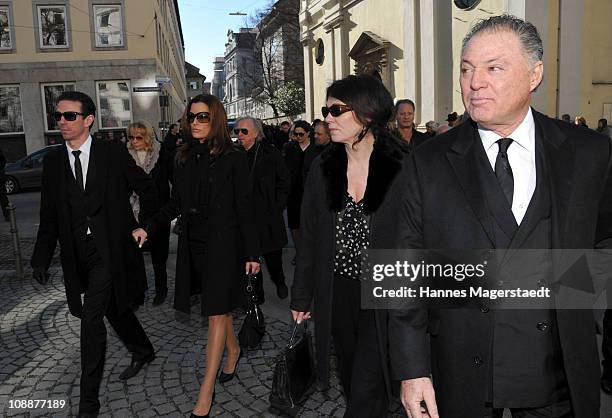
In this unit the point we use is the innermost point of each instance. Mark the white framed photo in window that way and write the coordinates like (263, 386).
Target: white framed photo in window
(108, 25)
(5, 28)
(114, 104)
(11, 117)
(52, 26)
(49, 93)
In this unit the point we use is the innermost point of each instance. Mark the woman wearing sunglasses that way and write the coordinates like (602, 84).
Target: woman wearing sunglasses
(218, 244)
(294, 152)
(154, 160)
(349, 206)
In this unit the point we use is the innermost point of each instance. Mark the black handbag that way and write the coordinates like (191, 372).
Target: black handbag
(254, 325)
(294, 373)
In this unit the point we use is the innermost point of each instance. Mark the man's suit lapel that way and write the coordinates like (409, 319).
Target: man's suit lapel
(559, 164)
(95, 186)
(461, 157)
(61, 180)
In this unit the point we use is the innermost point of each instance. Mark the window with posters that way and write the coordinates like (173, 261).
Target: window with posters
(114, 104)
(11, 119)
(52, 26)
(6, 35)
(108, 21)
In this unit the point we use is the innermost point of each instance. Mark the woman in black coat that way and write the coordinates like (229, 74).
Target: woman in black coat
(154, 160)
(218, 243)
(350, 204)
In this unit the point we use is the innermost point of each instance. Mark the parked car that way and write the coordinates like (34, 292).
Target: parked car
(26, 172)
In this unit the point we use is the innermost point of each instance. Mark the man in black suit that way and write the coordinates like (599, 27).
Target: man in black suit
(508, 178)
(86, 188)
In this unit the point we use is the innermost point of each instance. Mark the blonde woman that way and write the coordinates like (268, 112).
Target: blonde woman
(153, 159)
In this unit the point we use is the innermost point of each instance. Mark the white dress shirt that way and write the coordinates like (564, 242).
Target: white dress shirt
(84, 157)
(521, 155)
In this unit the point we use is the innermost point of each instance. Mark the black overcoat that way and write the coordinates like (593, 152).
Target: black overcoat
(231, 230)
(112, 176)
(444, 208)
(294, 159)
(324, 193)
(271, 185)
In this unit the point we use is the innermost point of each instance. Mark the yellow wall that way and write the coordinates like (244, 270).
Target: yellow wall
(386, 22)
(363, 16)
(137, 19)
(597, 60)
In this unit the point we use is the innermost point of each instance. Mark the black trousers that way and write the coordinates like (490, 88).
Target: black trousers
(99, 302)
(274, 263)
(357, 349)
(159, 256)
(562, 409)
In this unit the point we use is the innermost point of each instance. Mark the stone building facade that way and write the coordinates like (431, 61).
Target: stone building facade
(106, 49)
(415, 45)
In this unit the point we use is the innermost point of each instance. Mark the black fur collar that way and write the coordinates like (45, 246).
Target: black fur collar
(385, 164)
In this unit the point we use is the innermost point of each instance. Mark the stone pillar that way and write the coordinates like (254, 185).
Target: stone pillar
(33, 114)
(436, 62)
(308, 77)
(410, 50)
(571, 44)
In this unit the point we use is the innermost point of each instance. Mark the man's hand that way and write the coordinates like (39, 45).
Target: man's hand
(140, 236)
(252, 267)
(40, 275)
(415, 392)
(300, 316)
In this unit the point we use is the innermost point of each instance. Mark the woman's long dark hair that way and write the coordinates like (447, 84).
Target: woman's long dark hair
(370, 100)
(218, 140)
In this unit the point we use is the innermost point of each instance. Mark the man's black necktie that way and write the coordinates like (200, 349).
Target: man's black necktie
(503, 171)
(78, 170)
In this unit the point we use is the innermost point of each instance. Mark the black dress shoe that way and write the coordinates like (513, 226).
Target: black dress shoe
(606, 384)
(209, 409)
(226, 377)
(159, 298)
(135, 366)
(282, 291)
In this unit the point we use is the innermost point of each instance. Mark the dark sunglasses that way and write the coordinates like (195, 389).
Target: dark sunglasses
(300, 134)
(201, 117)
(69, 116)
(244, 131)
(132, 137)
(335, 110)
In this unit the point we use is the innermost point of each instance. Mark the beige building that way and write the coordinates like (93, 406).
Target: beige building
(414, 45)
(109, 49)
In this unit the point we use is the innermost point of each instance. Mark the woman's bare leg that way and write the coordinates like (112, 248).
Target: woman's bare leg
(232, 347)
(217, 329)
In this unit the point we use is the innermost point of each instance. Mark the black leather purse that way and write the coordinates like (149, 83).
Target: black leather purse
(254, 325)
(294, 373)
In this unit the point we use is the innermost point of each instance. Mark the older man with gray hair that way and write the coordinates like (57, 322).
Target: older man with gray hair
(512, 178)
(270, 187)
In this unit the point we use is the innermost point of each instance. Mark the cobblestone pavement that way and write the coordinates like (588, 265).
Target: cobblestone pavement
(39, 342)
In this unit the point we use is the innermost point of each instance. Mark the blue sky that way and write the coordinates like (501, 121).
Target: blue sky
(205, 24)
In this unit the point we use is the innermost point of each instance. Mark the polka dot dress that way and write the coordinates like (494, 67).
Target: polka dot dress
(352, 237)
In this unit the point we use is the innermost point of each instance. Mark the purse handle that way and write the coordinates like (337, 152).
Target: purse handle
(291, 343)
